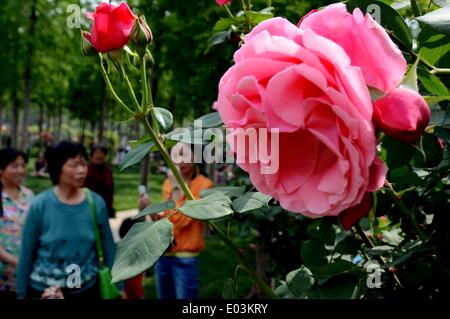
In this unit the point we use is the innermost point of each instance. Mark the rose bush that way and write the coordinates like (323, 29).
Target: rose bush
(313, 84)
(303, 84)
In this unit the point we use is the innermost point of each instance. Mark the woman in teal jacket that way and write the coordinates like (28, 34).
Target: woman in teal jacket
(58, 245)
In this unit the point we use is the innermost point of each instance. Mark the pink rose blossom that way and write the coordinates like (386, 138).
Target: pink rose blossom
(365, 42)
(305, 85)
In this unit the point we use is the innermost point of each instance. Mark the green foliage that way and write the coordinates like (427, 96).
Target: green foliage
(250, 201)
(409, 225)
(141, 248)
(434, 46)
(214, 206)
(338, 287)
(431, 82)
(322, 230)
(438, 20)
(299, 281)
(164, 117)
(230, 191)
(210, 120)
(313, 253)
(136, 155)
(155, 208)
(239, 25)
(406, 227)
(398, 153)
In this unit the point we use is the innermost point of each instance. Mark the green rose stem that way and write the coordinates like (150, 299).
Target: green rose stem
(150, 104)
(147, 98)
(429, 5)
(129, 87)
(244, 7)
(369, 244)
(145, 103)
(154, 135)
(415, 56)
(111, 89)
(165, 155)
(440, 71)
(415, 8)
(228, 11)
(397, 199)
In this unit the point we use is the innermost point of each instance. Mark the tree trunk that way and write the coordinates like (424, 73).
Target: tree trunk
(101, 125)
(54, 124)
(47, 119)
(15, 120)
(83, 128)
(27, 75)
(1, 123)
(41, 120)
(58, 122)
(93, 128)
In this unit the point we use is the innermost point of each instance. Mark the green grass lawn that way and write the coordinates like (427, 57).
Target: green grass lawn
(217, 262)
(126, 188)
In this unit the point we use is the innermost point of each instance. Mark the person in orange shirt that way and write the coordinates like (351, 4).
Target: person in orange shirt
(177, 271)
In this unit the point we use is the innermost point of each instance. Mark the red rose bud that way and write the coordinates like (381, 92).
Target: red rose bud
(223, 2)
(86, 46)
(112, 26)
(141, 35)
(352, 215)
(402, 114)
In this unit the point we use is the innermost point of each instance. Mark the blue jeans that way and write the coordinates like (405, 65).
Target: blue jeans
(177, 277)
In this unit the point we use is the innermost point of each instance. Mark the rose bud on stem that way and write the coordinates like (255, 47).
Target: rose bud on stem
(141, 36)
(402, 114)
(86, 46)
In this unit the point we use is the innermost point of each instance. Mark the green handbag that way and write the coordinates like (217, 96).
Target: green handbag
(107, 289)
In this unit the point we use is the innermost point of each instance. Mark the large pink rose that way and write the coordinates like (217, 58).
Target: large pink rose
(365, 42)
(112, 26)
(304, 84)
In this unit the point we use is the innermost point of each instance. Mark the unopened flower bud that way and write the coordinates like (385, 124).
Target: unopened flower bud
(402, 114)
(141, 36)
(86, 45)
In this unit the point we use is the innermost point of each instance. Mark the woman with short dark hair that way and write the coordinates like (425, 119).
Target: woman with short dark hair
(14, 202)
(59, 247)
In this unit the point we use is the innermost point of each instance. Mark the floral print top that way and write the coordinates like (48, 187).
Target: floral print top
(11, 224)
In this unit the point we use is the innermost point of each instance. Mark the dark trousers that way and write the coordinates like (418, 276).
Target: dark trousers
(177, 278)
